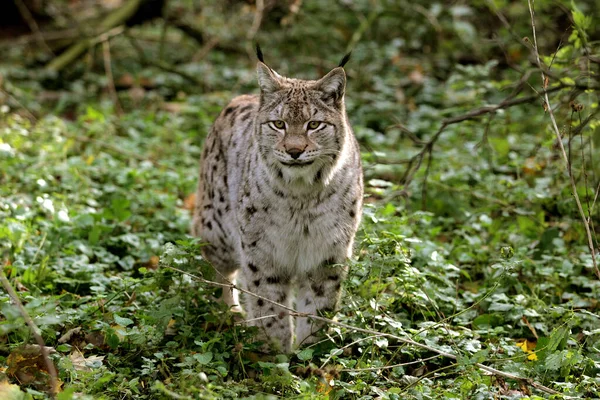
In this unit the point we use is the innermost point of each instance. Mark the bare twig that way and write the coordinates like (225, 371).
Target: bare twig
(109, 77)
(256, 319)
(258, 16)
(34, 331)
(405, 340)
(205, 49)
(163, 65)
(26, 14)
(26, 110)
(115, 19)
(347, 346)
(425, 179)
(47, 35)
(594, 202)
(562, 147)
(415, 162)
(390, 366)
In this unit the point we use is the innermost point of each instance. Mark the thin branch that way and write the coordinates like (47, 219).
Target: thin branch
(346, 346)
(415, 162)
(256, 319)
(163, 65)
(26, 110)
(390, 366)
(594, 202)
(562, 147)
(258, 17)
(26, 14)
(47, 35)
(109, 77)
(405, 340)
(34, 331)
(425, 179)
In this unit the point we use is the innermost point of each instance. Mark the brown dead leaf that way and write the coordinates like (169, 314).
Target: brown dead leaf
(571, 235)
(66, 338)
(171, 329)
(137, 94)
(532, 167)
(325, 384)
(95, 338)
(524, 388)
(82, 363)
(173, 107)
(189, 202)
(153, 262)
(126, 80)
(416, 76)
(575, 106)
(27, 365)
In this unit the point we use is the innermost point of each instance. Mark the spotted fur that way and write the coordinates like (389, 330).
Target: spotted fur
(280, 199)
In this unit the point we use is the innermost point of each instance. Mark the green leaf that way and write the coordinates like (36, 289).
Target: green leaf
(381, 342)
(122, 321)
(553, 361)
(120, 208)
(558, 339)
(112, 339)
(204, 358)
(94, 234)
(306, 354)
(485, 321)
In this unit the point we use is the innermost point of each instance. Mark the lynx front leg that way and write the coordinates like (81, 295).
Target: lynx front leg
(317, 294)
(274, 322)
(226, 269)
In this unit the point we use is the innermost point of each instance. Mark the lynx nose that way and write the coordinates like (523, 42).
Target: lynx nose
(294, 152)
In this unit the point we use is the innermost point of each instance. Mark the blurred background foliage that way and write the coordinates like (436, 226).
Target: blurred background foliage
(471, 241)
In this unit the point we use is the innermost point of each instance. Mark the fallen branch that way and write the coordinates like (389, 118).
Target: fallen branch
(408, 341)
(562, 147)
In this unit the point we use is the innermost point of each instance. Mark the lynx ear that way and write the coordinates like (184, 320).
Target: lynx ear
(333, 85)
(268, 80)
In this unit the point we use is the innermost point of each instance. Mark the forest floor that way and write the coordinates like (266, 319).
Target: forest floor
(472, 276)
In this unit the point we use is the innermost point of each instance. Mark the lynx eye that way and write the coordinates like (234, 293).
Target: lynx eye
(278, 124)
(314, 124)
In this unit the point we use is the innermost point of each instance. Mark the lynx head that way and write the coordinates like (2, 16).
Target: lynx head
(301, 124)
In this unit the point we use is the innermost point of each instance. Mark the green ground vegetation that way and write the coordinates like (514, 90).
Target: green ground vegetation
(471, 242)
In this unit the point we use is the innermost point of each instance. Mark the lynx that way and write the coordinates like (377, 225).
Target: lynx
(280, 199)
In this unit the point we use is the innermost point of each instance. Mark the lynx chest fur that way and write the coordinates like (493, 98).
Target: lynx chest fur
(279, 200)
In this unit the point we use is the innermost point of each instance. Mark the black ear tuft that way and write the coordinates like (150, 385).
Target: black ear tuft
(259, 54)
(345, 59)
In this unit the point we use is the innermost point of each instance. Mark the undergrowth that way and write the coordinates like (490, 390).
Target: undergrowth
(481, 254)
